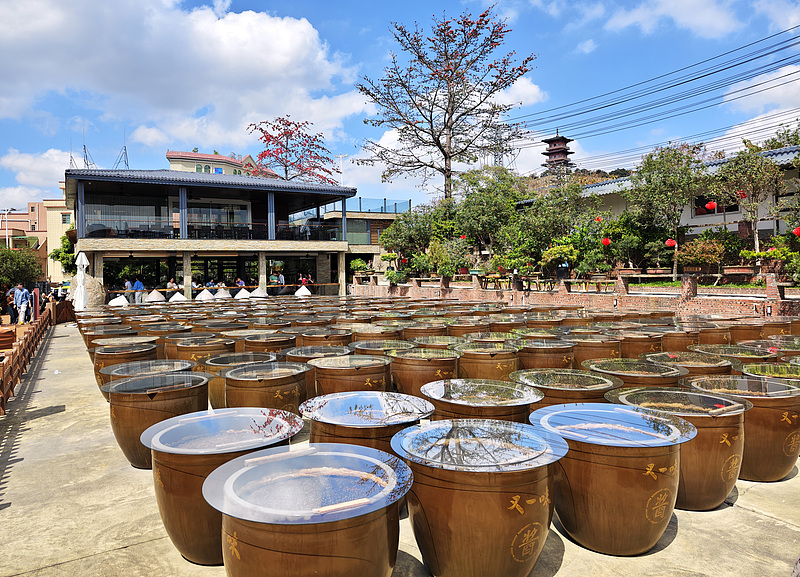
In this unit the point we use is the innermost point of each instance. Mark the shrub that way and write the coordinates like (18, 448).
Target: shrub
(396, 276)
(701, 252)
(358, 264)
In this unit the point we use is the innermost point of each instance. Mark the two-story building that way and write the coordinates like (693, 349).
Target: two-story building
(206, 224)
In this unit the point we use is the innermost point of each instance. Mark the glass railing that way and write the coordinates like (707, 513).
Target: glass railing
(153, 227)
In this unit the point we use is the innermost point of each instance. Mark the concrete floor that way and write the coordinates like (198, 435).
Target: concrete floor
(70, 504)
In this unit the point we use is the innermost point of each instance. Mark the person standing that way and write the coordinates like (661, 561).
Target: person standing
(281, 280)
(172, 287)
(12, 308)
(22, 300)
(128, 287)
(139, 288)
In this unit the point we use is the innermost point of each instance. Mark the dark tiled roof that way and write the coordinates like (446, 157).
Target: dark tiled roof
(181, 178)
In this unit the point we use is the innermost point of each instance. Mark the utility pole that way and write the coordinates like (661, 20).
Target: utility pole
(5, 211)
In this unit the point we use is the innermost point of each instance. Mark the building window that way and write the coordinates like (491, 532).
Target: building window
(198, 168)
(207, 168)
(33, 208)
(33, 226)
(700, 209)
(66, 218)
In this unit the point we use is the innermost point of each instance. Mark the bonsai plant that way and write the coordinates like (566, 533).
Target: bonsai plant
(699, 252)
(655, 252)
(358, 265)
(396, 277)
(627, 250)
(391, 258)
(556, 255)
(420, 264)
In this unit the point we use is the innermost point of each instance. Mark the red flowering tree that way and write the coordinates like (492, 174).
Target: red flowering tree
(293, 152)
(441, 99)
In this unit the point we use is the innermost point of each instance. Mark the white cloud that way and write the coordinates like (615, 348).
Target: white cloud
(782, 92)
(188, 76)
(19, 196)
(42, 170)
(782, 14)
(704, 18)
(523, 92)
(551, 8)
(584, 13)
(759, 128)
(586, 46)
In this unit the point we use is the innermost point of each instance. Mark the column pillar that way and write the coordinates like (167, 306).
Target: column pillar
(342, 274)
(187, 275)
(263, 277)
(97, 267)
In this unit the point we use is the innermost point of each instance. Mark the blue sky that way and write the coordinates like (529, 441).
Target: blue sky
(177, 75)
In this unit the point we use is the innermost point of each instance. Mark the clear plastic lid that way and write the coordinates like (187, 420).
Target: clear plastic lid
(478, 445)
(244, 333)
(318, 351)
(124, 341)
(537, 333)
(263, 371)
(422, 353)
(157, 383)
(381, 345)
(315, 483)
(529, 343)
(565, 379)
(196, 341)
(686, 359)
(772, 370)
(222, 431)
(349, 362)
(614, 425)
(677, 401)
(234, 359)
(366, 409)
(322, 332)
(737, 351)
(437, 340)
(635, 367)
(489, 337)
(481, 392)
(141, 368)
(183, 336)
(168, 327)
(485, 348)
(124, 349)
(110, 330)
(580, 338)
(745, 386)
(269, 338)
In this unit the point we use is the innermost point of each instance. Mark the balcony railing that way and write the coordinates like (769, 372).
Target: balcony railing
(163, 228)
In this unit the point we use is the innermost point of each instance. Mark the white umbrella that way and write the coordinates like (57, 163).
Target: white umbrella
(80, 298)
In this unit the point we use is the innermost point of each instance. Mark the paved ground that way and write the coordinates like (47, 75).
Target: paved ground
(71, 505)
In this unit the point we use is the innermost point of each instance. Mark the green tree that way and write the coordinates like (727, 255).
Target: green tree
(18, 266)
(488, 206)
(748, 179)
(65, 254)
(664, 183)
(785, 136)
(410, 232)
(441, 99)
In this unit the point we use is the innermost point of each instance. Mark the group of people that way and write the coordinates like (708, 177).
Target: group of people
(138, 286)
(19, 302)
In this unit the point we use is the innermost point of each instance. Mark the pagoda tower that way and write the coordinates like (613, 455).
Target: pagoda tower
(557, 151)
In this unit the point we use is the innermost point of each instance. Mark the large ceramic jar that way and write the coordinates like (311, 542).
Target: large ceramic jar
(711, 461)
(186, 449)
(481, 399)
(594, 347)
(321, 509)
(218, 365)
(379, 347)
(117, 354)
(544, 353)
(771, 427)
(143, 369)
(412, 368)
(369, 418)
(616, 488)
(351, 373)
(566, 385)
(481, 502)
(638, 373)
(695, 363)
(137, 403)
(274, 385)
(494, 361)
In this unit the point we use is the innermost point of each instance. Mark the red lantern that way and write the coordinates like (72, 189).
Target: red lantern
(598, 219)
(770, 249)
(670, 242)
(742, 194)
(463, 236)
(711, 205)
(607, 241)
(796, 231)
(404, 261)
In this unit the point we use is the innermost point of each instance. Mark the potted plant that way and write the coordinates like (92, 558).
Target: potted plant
(359, 268)
(593, 264)
(420, 264)
(627, 250)
(558, 255)
(396, 277)
(701, 254)
(655, 252)
(391, 258)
